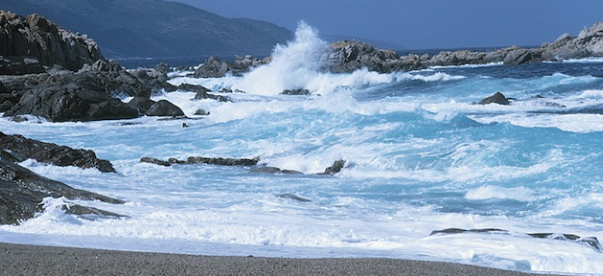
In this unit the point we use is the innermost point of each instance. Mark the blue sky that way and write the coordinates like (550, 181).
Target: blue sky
(424, 24)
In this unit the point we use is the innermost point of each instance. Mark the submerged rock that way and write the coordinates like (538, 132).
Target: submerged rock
(592, 242)
(294, 197)
(203, 160)
(296, 92)
(22, 148)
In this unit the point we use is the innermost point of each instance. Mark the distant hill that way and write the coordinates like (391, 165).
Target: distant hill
(156, 28)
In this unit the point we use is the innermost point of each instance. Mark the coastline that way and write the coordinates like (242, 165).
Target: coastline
(19, 259)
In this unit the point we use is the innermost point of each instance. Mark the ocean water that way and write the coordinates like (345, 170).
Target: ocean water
(421, 156)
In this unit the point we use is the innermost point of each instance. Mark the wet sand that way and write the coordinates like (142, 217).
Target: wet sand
(16, 259)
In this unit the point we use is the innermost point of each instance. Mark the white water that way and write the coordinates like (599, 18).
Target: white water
(421, 157)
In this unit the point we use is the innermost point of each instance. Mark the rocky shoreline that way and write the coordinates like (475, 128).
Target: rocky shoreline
(48, 72)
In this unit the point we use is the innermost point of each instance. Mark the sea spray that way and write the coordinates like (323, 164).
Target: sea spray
(292, 65)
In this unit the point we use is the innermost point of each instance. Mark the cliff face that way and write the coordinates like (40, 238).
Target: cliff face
(156, 28)
(27, 40)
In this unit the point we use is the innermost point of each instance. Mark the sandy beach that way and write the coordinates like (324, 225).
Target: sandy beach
(16, 259)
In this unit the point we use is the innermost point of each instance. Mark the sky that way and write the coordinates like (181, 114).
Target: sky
(424, 24)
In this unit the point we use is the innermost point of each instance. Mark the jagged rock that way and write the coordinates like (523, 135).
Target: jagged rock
(22, 148)
(294, 197)
(214, 68)
(592, 242)
(497, 98)
(162, 68)
(335, 168)
(22, 191)
(164, 108)
(36, 38)
(202, 92)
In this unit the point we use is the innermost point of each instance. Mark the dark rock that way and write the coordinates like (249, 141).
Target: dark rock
(296, 92)
(155, 161)
(203, 160)
(162, 68)
(36, 38)
(22, 191)
(223, 161)
(265, 169)
(461, 231)
(58, 101)
(164, 108)
(497, 98)
(22, 148)
(20, 66)
(335, 168)
(142, 104)
(214, 68)
(272, 170)
(592, 242)
(202, 112)
(294, 197)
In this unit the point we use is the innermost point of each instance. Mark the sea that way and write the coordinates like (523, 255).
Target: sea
(421, 155)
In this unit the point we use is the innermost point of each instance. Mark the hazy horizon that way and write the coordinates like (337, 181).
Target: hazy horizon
(418, 24)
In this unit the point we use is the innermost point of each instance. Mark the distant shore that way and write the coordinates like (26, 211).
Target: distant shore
(19, 259)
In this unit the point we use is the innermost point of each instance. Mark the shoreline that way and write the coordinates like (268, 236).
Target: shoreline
(20, 259)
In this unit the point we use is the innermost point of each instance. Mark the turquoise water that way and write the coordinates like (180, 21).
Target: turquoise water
(420, 156)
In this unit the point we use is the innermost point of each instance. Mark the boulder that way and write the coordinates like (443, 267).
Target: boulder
(22, 192)
(142, 104)
(22, 148)
(497, 98)
(164, 108)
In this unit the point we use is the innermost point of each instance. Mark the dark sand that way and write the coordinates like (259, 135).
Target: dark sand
(44, 260)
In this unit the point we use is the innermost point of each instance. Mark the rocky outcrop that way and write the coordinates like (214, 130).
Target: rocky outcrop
(29, 43)
(82, 96)
(214, 68)
(348, 56)
(589, 43)
(22, 192)
(592, 242)
(18, 148)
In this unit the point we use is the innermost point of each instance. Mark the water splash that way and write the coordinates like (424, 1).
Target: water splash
(292, 67)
